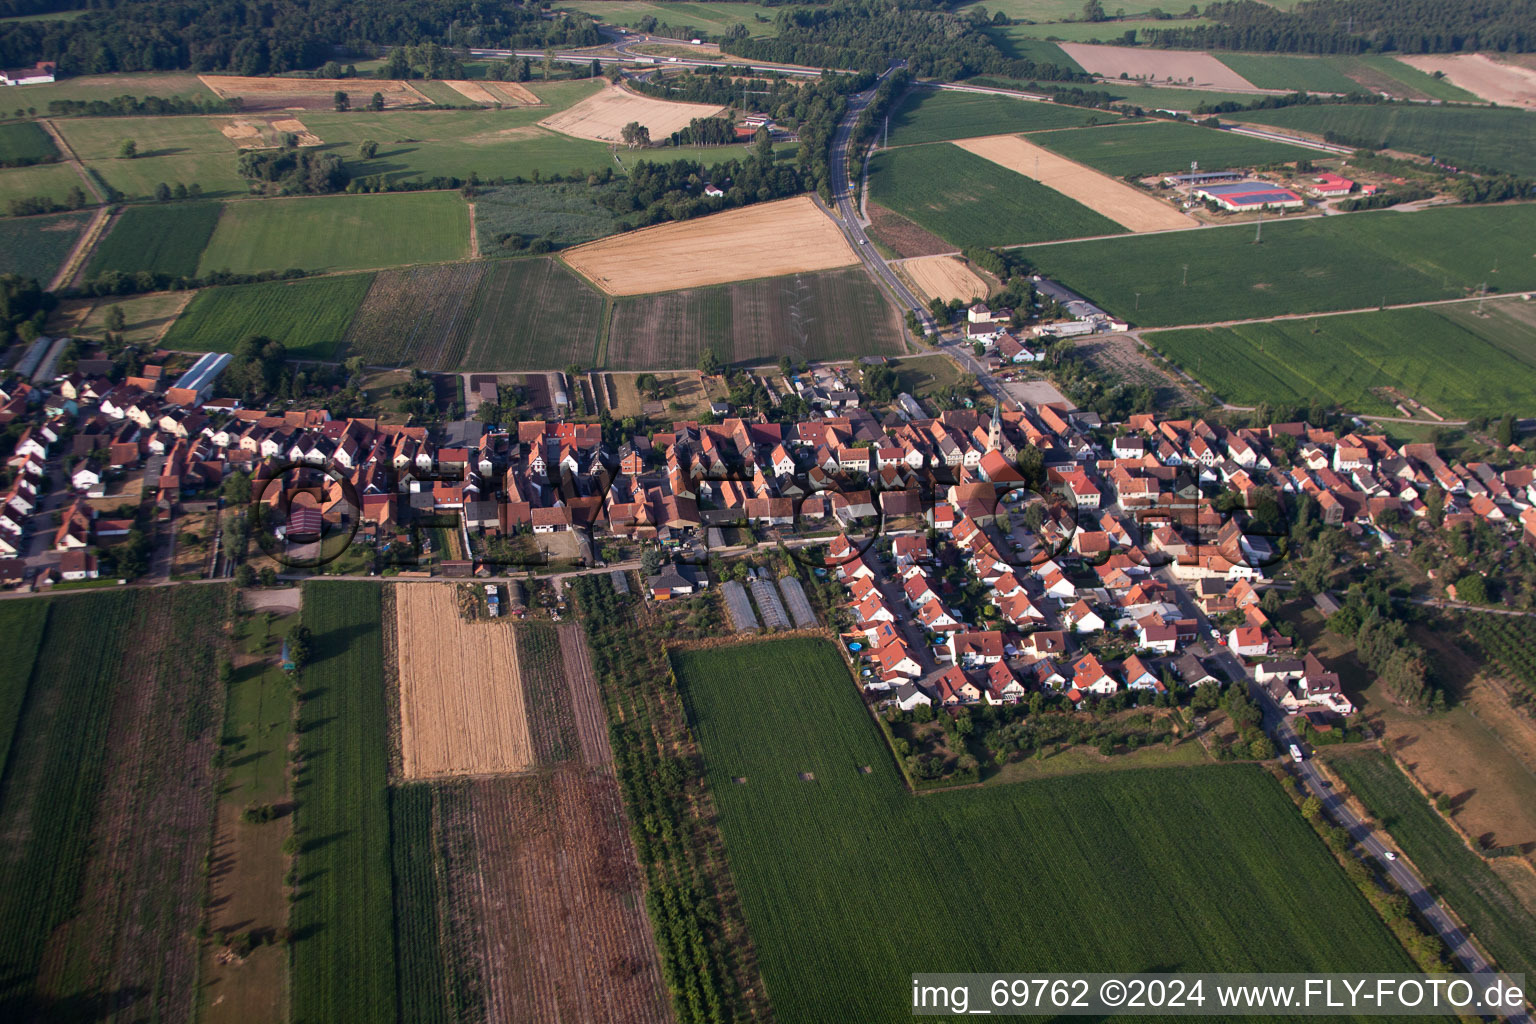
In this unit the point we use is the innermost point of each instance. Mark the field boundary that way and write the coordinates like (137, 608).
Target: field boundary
(101, 222)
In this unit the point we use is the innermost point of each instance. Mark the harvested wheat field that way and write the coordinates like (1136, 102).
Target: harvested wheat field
(505, 93)
(603, 115)
(461, 697)
(1116, 200)
(1186, 67)
(945, 277)
(310, 93)
(763, 240)
(1509, 85)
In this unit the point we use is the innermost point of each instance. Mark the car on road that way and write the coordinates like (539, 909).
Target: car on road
(1390, 855)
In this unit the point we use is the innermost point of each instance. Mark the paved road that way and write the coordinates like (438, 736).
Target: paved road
(1277, 724)
(842, 195)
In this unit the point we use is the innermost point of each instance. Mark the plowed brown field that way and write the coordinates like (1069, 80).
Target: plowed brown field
(603, 115)
(310, 93)
(945, 277)
(461, 698)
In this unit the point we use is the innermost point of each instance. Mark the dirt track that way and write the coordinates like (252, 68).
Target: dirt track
(461, 698)
(764, 240)
(1099, 192)
(603, 115)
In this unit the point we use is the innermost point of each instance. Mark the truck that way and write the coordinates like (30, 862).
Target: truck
(1296, 754)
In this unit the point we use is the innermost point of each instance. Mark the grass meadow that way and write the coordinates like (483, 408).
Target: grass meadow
(968, 200)
(1500, 138)
(830, 852)
(1357, 261)
(344, 948)
(710, 18)
(1448, 364)
(331, 233)
(1479, 897)
(166, 239)
(1137, 150)
(188, 149)
(932, 115)
(36, 246)
(308, 316)
(25, 142)
(52, 181)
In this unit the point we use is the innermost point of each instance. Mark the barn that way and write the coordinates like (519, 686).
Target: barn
(1251, 195)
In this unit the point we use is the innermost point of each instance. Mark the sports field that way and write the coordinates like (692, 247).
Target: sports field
(309, 317)
(1129, 207)
(164, 239)
(1498, 920)
(331, 233)
(1165, 147)
(835, 314)
(930, 115)
(1356, 261)
(1465, 136)
(968, 200)
(763, 240)
(36, 246)
(829, 852)
(1347, 360)
(603, 115)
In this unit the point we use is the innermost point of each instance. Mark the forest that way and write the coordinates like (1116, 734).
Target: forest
(1358, 26)
(227, 35)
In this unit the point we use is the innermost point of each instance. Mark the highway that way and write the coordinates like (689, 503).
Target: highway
(843, 196)
(1277, 725)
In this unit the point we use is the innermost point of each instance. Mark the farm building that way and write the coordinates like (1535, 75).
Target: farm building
(1251, 195)
(1201, 178)
(194, 385)
(1328, 185)
(40, 73)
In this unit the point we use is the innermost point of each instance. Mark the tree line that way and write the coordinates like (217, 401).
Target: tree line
(1358, 26)
(287, 35)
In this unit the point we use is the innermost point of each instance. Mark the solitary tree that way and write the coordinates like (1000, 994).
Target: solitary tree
(709, 363)
(128, 150)
(115, 319)
(75, 198)
(343, 101)
(376, 102)
(163, 192)
(367, 149)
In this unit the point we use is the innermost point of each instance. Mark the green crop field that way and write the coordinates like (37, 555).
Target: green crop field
(419, 884)
(1163, 147)
(532, 314)
(25, 142)
(1084, 31)
(1298, 74)
(309, 317)
(836, 314)
(36, 246)
(968, 200)
(51, 180)
(565, 214)
(1393, 76)
(344, 951)
(1356, 261)
(22, 622)
(929, 115)
(1462, 878)
(166, 239)
(1499, 138)
(711, 18)
(332, 233)
(1045, 10)
(1447, 364)
(107, 87)
(830, 853)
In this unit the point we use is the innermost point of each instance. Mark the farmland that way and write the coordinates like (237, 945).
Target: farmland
(710, 18)
(763, 240)
(106, 803)
(1505, 82)
(171, 149)
(23, 143)
(22, 621)
(1504, 927)
(1134, 151)
(971, 201)
(1342, 360)
(1182, 66)
(1303, 266)
(831, 315)
(461, 691)
(343, 956)
(1127, 206)
(37, 246)
(1295, 74)
(96, 87)
(309, 317)
(50, 180)
(1203, 832)
(333, 233)
(1498, 138)
(946, 278)
(416, 317)
(146, 318)
(562, 213)
(604, 114)
(308, 93)
(531, 314)
(164, 239)
(928, 115)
